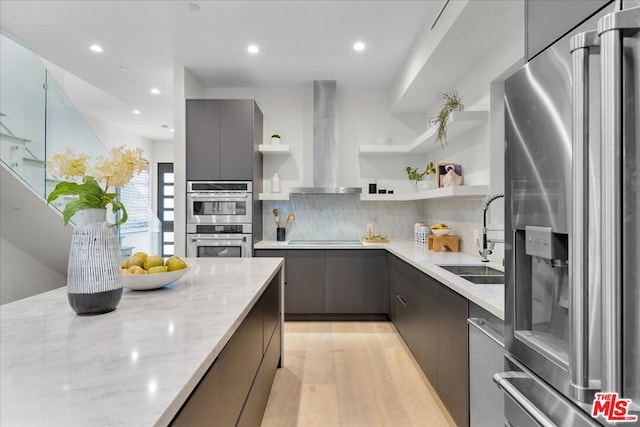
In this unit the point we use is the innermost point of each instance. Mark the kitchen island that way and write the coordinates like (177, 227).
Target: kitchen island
(135, 366)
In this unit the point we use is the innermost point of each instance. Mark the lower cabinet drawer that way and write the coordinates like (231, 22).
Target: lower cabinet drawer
(257, 401)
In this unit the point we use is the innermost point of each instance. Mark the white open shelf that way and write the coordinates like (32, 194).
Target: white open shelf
(436, 193)
(459, 122)
(274, 148)
(273, 196)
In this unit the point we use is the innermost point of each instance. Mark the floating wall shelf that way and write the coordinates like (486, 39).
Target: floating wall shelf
(273, 196)
(274, 148)
(459, 123)
(436, 193)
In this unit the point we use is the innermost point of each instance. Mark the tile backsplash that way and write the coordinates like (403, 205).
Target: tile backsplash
(330, 216)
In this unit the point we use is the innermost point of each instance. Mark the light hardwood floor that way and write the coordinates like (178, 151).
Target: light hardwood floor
(350, 374)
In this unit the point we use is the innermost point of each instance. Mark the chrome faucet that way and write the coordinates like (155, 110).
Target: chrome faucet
(488, 244)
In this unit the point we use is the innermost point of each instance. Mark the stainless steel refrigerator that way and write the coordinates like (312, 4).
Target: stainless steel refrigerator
(572, 264)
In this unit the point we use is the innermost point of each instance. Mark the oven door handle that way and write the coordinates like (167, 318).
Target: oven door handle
(228, 239)
(221, 197)
(503, 382)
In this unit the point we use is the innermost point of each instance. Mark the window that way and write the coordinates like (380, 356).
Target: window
(166, 206)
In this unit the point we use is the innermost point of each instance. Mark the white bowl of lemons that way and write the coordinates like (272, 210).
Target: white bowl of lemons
(144, 272)
(440, 229)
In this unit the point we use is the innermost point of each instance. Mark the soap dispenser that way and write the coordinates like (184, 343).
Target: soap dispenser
(275, 183)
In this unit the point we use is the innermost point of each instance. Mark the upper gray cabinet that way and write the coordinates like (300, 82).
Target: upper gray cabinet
(548, 20)
(222, 140)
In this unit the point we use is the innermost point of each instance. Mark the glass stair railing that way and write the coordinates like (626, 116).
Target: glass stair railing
(38, 119)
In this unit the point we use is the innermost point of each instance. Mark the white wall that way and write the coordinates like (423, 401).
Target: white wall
(22, 276)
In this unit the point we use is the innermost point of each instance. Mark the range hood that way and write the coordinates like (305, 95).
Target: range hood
(325, 152)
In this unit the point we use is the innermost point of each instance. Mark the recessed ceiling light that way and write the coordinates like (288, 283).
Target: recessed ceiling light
(358, 46)
(172, 130)
(155, 91)
(96, 48)
(193, 7)
(136, 111)
(253, 49)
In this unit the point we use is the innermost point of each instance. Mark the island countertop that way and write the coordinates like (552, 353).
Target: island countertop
(489, 297)
(135, 366)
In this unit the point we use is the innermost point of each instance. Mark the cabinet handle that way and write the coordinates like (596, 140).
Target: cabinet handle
(401, 300)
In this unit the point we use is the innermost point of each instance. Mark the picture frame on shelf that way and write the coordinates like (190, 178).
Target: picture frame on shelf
(448, 174)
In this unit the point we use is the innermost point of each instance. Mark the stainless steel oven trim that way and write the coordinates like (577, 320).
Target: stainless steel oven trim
(244, 241)
(222, 218)
(249, 185)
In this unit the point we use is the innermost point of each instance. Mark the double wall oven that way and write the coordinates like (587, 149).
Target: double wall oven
(219, 219)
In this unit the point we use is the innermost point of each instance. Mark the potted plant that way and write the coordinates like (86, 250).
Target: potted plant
(275, 138)
(417, 178)
(451, 101)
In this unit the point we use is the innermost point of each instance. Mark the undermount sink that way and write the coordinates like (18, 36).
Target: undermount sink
(325, 242)
(478, 274)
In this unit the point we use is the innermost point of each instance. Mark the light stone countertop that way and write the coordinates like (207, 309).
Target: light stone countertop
(489, 297)
(135, 366)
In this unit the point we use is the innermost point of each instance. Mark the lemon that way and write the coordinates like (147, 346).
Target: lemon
(142, 255)
(176, 264)
(136, 269)
(153, 261)
(134, 261)
(157, 269)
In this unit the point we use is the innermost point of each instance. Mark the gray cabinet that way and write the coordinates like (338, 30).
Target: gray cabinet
(238, 383)
(222, 140)
(392, 262)
(305, 291)
(548, 20)
(428, 321)
(344, 281)
(376, 282)
(203, 140)
(334, 282)
(453, 353)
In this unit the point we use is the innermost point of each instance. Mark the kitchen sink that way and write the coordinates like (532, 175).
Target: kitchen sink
(324, 242)
(484, 279)
(478, 274)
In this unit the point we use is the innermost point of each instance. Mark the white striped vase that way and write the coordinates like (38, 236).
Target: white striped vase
(94, 276)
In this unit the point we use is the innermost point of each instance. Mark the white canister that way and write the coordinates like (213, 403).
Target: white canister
(275, 183)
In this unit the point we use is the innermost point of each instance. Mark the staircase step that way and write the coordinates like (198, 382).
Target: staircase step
(29, 159)
(13, 137)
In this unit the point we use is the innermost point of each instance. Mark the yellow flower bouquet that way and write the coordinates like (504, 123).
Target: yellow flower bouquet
(113, 171)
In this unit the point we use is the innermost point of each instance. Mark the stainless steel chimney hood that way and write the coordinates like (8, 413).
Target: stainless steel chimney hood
(325, 153)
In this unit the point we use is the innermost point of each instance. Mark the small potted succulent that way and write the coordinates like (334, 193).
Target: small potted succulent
(275, 138)
(451, 101)
(417, 178)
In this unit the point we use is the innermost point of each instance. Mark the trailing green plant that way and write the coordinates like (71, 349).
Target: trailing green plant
(414, 175)
(450, 101)
(275, 135)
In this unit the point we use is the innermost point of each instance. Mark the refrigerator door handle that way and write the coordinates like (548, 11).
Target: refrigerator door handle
(611, 29)
(502, 381)
(581, 47)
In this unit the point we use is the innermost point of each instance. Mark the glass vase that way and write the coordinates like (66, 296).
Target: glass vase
(94, 276)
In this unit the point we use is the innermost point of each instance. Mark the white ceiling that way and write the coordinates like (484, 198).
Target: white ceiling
(299, 41)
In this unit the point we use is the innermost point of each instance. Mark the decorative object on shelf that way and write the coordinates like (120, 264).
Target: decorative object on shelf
(275, 138)
(417, 178)
(431, 122)
(275, 183)
(448, 174)
(451, 101)
(373, 186)
(94, 277)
